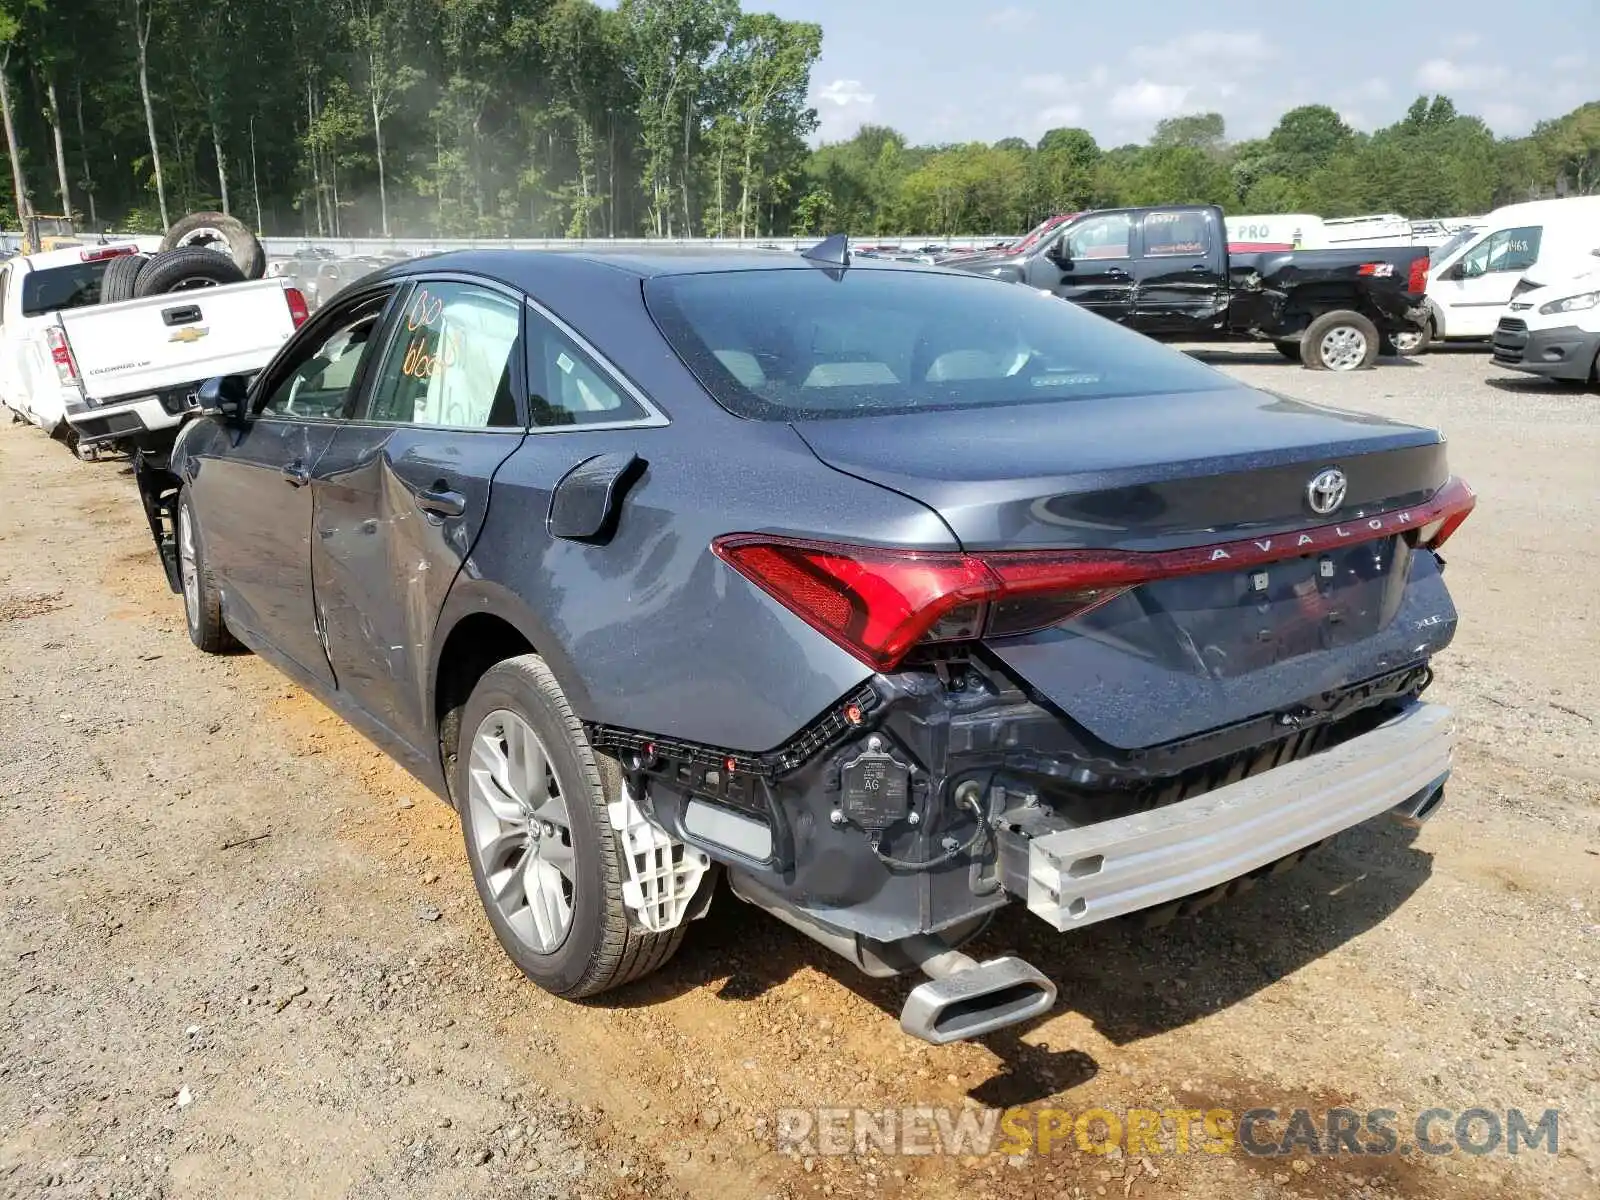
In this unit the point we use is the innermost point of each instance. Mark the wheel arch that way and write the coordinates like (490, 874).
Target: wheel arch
(480, 625)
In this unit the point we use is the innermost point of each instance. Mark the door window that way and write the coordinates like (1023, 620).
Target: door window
(319, 385)
(449, 361)
(567, 387)
(1104, 236)
(1504, 250)
(1174, 234)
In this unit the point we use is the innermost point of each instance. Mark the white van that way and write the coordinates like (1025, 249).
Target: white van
(1554, 331)
(1473, 278)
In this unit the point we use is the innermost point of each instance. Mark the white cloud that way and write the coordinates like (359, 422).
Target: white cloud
(1373, 89)
(1057, 116)
(1236, 50)
(845, 92)
(1506, 118)
(1444, 75)
(1047, 85)
(1462, 41)
(1010, 19)
(1148, 101)
(1568, 62)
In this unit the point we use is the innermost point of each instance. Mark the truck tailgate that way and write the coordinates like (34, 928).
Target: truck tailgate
(162, 342)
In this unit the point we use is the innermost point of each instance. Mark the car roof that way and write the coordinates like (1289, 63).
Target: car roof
(525, 268)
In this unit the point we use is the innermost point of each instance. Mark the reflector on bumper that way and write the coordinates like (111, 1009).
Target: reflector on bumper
(1080, 876)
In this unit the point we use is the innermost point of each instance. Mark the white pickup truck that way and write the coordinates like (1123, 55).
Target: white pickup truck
(100, 374)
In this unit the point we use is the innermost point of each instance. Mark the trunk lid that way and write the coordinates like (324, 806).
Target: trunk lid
(1181, 656)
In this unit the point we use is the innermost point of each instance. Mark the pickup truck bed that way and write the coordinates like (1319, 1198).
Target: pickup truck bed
(131, 368)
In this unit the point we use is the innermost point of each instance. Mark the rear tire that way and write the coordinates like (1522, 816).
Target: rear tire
(117, 284)
(1410, 342)
(202, 601)
(1290, 350)
(545, 858)
(223, 234)
(186, 270)
(1340, 341)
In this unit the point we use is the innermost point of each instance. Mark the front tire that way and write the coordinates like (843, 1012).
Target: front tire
(545, 858)
(202, 600)
(1340, 341)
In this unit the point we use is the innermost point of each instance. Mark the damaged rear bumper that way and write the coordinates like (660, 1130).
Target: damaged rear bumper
(1079, 876)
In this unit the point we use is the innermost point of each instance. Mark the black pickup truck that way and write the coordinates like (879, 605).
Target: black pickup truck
(1168, 272)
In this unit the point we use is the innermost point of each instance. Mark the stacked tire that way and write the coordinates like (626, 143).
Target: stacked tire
(204, 249)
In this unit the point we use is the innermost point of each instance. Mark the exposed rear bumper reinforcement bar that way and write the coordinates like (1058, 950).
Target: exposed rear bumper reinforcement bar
(1079, 876)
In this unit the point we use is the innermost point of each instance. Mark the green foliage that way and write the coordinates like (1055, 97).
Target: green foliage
(672, 117)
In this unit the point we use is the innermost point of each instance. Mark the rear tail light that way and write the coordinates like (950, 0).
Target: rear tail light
(878, 602)
(101, 253)
(1417, 280)
(61, 354)
(299, 312)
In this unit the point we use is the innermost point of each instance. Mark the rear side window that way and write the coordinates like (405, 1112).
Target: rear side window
(56, 288)
(785, 344)
(1504, 250)
(1174, 234)
(566, 386)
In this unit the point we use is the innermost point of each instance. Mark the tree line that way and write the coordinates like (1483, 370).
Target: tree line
(1433, 162)
(452, 117)
(662, 117)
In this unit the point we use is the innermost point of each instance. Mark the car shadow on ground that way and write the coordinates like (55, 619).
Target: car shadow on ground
(1535, 385)
(1130, 981)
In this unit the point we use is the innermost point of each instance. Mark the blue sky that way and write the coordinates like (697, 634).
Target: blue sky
(961, 70)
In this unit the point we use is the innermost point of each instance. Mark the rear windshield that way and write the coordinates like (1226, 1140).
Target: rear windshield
(811, 343)
(55, 288)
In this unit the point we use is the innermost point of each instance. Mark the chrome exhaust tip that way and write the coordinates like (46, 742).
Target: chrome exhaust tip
(1418, 808)
(967, 999)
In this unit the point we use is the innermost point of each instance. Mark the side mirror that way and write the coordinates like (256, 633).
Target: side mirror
(224, 396)
(1456, 271)
(1059, 254)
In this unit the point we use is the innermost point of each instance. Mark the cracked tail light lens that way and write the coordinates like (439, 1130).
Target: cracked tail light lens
(878, 603)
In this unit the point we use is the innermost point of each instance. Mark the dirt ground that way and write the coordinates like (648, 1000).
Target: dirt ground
(240, 951)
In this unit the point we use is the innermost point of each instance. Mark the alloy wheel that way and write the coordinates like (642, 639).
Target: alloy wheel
(1344, 348)
(521, 833)
(187, 568)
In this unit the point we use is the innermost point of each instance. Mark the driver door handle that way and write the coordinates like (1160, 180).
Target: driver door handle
(296, 473)
(441, 502)
(1116, 273)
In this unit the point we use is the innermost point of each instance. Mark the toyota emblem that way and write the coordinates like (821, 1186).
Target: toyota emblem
(1325, 492)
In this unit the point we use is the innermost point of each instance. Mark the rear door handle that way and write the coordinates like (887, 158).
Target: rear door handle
(1116, 273)
(1200, 269)
(296, 473)
(441, 502)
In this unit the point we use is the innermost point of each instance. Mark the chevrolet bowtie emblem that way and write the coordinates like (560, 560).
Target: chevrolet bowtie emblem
(189, 333)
